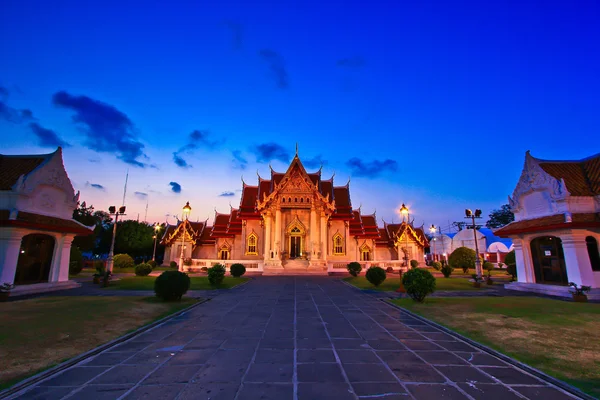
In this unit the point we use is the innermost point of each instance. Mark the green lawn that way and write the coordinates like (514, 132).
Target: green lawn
(131, 270)
(197, 283)
(558, 337)
(36, 334)
(391, 284)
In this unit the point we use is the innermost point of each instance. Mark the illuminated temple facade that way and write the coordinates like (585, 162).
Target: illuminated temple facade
(294, 222)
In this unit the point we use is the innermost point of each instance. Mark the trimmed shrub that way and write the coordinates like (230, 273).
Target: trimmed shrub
(171, 285)
(511, 270)
(500, 265)
(418, 283)
(446, 270)
(75, 261)
(354, 268)
(216, 274)
(143, 269)
(376, 275)
(488, 266)
(414, 264)
(204, 269)
(152, 263)
(463, 257)
(173, 265)
(237, 270)
(510, 258)
(99, 266)
(436, 265)
(123, 261)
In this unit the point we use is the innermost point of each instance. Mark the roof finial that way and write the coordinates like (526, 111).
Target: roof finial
(296, 149)
(244, 183)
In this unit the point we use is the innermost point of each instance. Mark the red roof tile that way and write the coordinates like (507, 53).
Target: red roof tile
(552, 222)
(581, 177)
(12, 167)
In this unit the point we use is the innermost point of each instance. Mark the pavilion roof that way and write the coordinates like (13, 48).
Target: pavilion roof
(29, 220)
(582, 177)
(549, 223)
(12, 167)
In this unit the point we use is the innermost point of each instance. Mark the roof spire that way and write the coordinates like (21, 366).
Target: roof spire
(296, 149)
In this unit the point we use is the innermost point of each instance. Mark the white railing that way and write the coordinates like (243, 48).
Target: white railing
(198, 264)
(341, 266)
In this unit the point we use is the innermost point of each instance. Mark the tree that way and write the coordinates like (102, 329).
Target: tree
(88, 217)
(501, 217)
(133, 238)
(463, 257)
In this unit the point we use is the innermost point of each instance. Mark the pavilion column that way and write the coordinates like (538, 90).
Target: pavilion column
(577, 260)
(323, 237)
(524, 261)
(374, 257)
(10, 244)
(267, 237)
(57, 256)
(313, 233)
(278, 233)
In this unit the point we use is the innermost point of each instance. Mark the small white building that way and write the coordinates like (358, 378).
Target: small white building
(36, 226)
(557, 225)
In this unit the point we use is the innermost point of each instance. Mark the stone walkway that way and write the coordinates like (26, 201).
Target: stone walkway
(293, 338)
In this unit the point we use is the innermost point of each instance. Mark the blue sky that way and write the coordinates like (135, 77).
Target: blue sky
(429, 103)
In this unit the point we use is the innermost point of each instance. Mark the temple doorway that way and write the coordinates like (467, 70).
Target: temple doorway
(35, 259)
(549, 260)
(295, 243)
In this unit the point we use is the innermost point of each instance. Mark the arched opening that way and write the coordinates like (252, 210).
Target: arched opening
(225, 252)
(365, 253)
(338, 244)
(549, 260)
(35, 259)
(295, 242)
(251, 246)
(592, 248)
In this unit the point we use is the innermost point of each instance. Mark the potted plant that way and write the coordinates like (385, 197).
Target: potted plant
(579, 293)
(489, 279)
(5, 289)
(476, 281)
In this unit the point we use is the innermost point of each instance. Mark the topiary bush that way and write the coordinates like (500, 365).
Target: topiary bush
(99, 266)
(511, 270)
(510, 258)
(237, 270)
(354, 268)
(446, 270)
(463, 257)
(171, 285)
(143, 269)
(152, 263)
(216, 274)
(123, 261)
(389, 270)
(376, 275)
(75, 261)
(488, 266)
(436, 265)
(418, 283)
(173, 264)
(414, 264)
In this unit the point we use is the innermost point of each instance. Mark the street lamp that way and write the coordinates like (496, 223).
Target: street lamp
(156, 229)
(472, 215)
(112, 210)
(433, 229)
(186, 212)
(404, 212)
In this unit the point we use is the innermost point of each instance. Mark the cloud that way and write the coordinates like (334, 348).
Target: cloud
(108, 130)
(239, 162)
(3, 92)
(352, 62)
(314, 162)
(47, 137)
(175, 187)
(277, 66)
(227, 194)
(14, 115)
(270, 151)
(94, 160)
(371, 169)
(180, 162)
(141, 195)
(237, 32)
(95, 186)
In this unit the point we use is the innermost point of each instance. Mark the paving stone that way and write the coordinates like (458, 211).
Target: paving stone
(325, 391)
(231, 356)
(266, 391)
(276, 343)
(101, 392)
(416, 373)
(350, 344)
(47, 393)
(318, 372)
(131, 345)
(477, 358)
(383, 390)
(313, 356)
(149, 357)
(155, 392)
(274, 356)
(441, 358)
(386, 344)
(198, 344)
(313, 343)
(123, 374)
(399, 357)
(439, 336)
(357, 356)
(270, 373)
(191, 357)
(74, 376)
(464, 374)
(410, 335)
(487, 391)
(167, 374)
(428, 392)
(108, 359)
(511, 376)
(542, 393)
(368, 373)
(421, 345)
(226, 372)
(457, 346)
(240, 343)
(209, 391)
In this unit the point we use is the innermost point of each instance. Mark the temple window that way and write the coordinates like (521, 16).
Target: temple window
(251, 248)
(338, 244)
(224, 254)
(592, 248)
(301, 200)
(283, 200)
(365, 253)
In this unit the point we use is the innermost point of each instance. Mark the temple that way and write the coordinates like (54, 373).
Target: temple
(294, 222)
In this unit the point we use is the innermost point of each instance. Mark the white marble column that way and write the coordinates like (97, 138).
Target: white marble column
(10, 244)
(57, 258)
(278, 245)
(323, 237)
(313, 234)
(525, 273)
(577, 260)
(267, 236)
(374, 256)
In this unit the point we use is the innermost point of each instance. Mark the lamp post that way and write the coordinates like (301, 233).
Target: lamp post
(404, 212)
(156, 229)
(112, 210)
(472, 215)
(433, 229)
(186, 212)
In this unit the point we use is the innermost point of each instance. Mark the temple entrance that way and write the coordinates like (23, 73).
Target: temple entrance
(35, 259)
(295, 243)
(549, 260)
